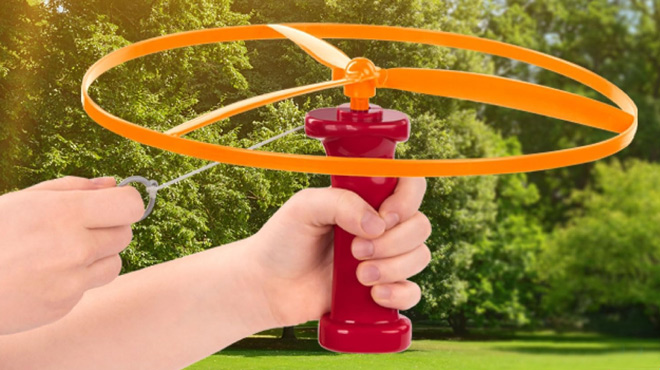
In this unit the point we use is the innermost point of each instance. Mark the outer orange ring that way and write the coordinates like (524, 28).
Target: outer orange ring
(367, 166)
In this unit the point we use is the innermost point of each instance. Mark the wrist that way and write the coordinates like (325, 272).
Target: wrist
(250, 283)
(287, 297)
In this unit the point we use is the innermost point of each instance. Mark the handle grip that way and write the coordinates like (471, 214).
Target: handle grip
(356, 323)
(352, 301)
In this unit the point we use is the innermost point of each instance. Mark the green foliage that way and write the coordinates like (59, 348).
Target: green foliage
(616, 39)
(483, 244)
(20, 40)
(608, 254)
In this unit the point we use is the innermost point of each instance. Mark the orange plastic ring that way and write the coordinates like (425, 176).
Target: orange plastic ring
(460, 85)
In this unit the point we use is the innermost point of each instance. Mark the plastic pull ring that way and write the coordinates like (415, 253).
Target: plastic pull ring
(152, 190)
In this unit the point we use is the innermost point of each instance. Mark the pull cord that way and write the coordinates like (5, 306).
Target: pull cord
(153, 187)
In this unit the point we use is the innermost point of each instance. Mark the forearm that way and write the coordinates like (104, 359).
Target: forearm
(163, 317)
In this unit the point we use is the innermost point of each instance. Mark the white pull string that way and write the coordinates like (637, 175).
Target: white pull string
(153, 187)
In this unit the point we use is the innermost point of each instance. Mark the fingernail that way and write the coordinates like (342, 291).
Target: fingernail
(99, 181)
(372, 224)
(391, 219)
(382, 292)
(370, 274)
(363, 248)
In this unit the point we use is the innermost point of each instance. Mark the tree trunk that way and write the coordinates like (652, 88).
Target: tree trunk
(458, 323)
(288, 333)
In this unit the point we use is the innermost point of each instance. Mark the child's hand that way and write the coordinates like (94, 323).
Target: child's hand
(59, 239)
(293, 251)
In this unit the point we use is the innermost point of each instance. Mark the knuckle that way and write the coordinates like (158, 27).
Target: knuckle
(301, 198)
(344, 199)
(415, 295)
(298, 204)
(66, 182)
(425, 225)
(416, 290)
(304, 194)
(69, 181)
(426, 254)
(423, 183)
(347, 206)
(381, 248)
(408, 294)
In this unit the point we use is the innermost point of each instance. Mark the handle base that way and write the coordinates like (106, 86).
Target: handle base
(384, 337)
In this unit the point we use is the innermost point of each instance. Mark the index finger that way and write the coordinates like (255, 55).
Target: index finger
(110, 207)
(404, 202)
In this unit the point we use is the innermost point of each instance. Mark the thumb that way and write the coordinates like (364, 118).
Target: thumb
(332, 206)
(75, 183)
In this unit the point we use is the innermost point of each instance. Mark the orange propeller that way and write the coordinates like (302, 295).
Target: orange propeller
(322, 51)
(360, 78)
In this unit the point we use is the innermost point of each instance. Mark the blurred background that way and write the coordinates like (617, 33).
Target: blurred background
(573, 249)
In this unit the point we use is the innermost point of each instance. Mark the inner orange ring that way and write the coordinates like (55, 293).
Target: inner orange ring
(369, 166)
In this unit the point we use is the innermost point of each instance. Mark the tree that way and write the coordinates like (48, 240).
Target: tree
(617, 40)
(483, 243)
(288, 333)
(20, 76)
(608, 254)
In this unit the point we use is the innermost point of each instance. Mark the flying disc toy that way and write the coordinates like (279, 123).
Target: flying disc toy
(360, 138)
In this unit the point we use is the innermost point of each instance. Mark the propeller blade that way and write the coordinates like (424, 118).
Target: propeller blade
(324, 52)
(251, 103)
(508, 93)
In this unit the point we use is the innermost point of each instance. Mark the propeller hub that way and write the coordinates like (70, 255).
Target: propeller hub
(360, 68)
(366, 74)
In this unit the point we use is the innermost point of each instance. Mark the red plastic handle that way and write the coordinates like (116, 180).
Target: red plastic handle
(356, 323)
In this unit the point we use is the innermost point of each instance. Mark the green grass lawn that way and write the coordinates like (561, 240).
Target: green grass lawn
(537, 351)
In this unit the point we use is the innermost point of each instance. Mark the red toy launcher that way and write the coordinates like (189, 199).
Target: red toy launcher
(356, 323)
